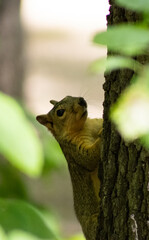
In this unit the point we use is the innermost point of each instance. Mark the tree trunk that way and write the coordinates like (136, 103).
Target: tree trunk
(124, 168)
(11, 60)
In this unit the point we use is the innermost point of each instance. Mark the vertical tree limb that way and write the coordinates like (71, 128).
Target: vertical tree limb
(124, 168)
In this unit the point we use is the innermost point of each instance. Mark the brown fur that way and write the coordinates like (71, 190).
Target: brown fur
(80, 141)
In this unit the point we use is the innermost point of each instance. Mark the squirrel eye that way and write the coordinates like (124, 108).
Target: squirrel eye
(60, 112)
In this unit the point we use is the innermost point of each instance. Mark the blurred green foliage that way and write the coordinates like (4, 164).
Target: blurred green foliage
(126, 41)
(141, 6)
(19, 215)
(11, 182)
(114, 63)
(23, 150)
(19, 142)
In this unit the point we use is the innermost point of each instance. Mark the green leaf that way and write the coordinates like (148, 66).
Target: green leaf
(18, 141)
(77, 237)
(145, 140)
(2, 234)
(20, 235)
(16, 215)
(11, 182)
(143, 77)
(131, 112)
(135, 5)
(54, 157)
(126, 39)
(113, 63)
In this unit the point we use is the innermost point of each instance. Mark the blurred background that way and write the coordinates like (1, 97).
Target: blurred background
(58, 50)
(45, 53)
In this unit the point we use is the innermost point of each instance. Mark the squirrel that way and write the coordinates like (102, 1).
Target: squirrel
(80, 140)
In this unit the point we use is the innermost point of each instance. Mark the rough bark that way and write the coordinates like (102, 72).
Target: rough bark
(124, 168)
(11, 60)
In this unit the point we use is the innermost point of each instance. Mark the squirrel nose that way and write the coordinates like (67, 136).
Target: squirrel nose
(82, 102)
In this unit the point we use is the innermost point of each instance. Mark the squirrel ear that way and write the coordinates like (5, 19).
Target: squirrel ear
(53, 102)
(45, 120)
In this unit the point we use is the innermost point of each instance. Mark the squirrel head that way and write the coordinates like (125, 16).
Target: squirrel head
(66, 117)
